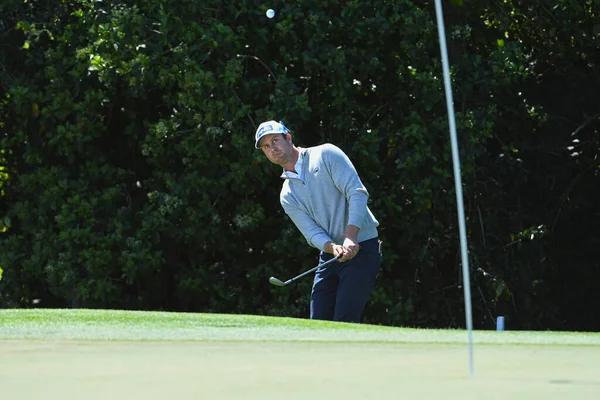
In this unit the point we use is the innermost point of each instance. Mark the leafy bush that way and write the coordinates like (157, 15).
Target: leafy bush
(130, 179)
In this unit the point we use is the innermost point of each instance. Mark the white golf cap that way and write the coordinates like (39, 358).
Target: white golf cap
(269, 128)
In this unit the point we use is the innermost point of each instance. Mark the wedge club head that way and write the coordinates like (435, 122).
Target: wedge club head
(276, 281)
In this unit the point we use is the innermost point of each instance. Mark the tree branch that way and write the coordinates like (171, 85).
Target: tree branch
(585, 123)
(260, 61)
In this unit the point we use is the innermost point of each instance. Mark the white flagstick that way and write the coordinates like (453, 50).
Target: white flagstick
(457, 181)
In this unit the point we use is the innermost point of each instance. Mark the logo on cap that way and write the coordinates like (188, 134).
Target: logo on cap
(269, 128)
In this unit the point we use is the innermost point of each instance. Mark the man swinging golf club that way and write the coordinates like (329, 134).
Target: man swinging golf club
(325, 198)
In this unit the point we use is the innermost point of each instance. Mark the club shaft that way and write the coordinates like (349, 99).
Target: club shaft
(312, 270)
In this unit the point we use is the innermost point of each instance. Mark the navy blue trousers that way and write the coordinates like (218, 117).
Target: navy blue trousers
(341, 290)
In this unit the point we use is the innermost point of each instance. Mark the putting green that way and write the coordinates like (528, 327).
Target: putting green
(67, 354)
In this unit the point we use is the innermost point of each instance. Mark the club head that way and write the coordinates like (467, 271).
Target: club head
(276, 281)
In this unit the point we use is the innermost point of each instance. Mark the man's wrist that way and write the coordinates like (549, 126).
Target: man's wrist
(328, 247)
(352, 233)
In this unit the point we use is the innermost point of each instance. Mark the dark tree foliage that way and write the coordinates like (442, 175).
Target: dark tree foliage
(129, 179)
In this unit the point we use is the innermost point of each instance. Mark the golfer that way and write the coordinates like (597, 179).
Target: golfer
(325, 198)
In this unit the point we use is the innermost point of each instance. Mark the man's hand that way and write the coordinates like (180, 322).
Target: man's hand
(337, 250)
(350, 244)
(350, 249)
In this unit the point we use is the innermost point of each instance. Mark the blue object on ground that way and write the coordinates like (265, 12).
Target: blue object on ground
(500, 324)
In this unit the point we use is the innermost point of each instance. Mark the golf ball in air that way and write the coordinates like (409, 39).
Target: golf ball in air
(270, 13)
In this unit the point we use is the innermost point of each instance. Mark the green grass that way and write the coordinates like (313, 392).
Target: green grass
(127, 355)
(143, 326)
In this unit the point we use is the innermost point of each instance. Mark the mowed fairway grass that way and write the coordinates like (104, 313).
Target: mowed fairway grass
(104, 354)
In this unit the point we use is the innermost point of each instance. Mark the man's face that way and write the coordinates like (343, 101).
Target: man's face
(278, 148)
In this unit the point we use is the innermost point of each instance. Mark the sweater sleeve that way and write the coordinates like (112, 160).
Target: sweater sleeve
(312, 232)
(346, 179)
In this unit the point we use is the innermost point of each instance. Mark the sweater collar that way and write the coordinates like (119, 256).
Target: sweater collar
(297, 167)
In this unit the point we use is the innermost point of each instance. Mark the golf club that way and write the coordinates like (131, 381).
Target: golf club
(278, 282)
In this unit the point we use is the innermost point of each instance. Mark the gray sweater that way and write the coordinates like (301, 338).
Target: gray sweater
(326, 196)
